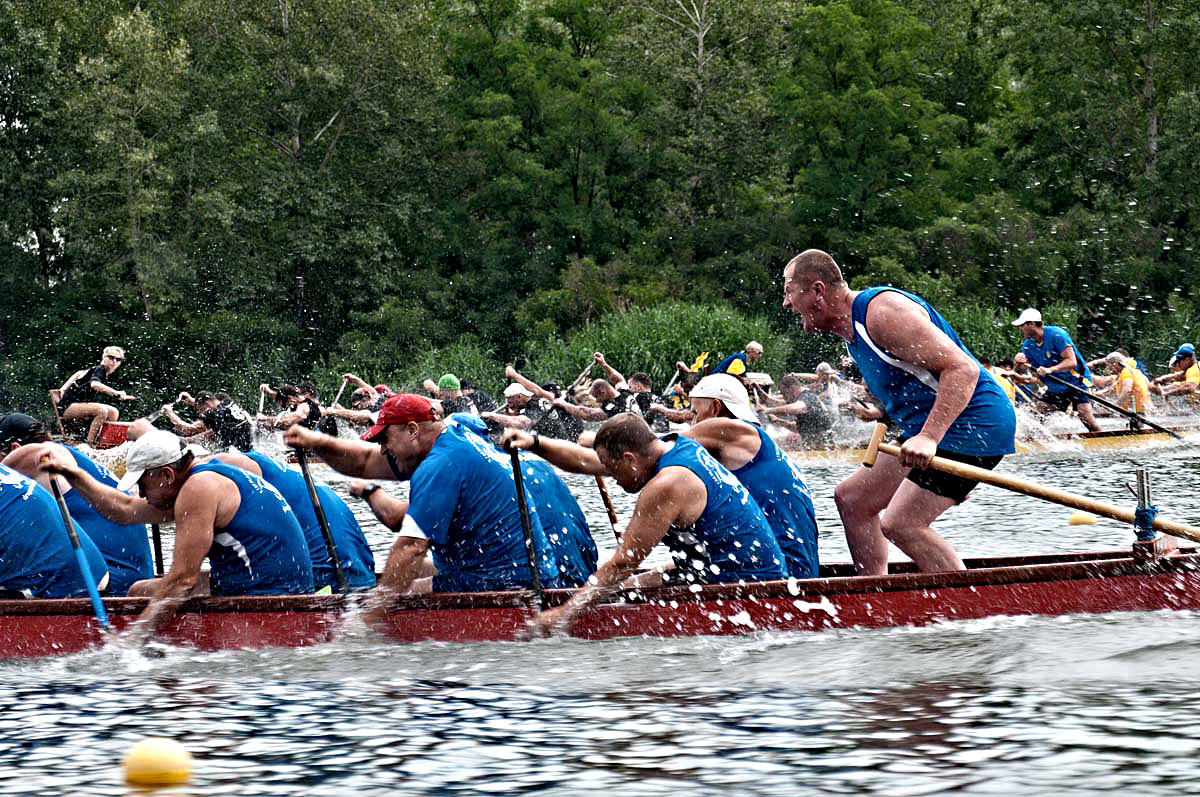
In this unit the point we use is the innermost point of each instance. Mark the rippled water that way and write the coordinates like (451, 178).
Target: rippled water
(1056, 706)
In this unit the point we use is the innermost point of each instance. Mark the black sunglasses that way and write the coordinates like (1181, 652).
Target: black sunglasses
(115, 359)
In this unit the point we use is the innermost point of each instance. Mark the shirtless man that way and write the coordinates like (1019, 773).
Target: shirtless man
(931, 386)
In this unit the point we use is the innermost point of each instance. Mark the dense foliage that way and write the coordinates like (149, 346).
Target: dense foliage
(246, 191)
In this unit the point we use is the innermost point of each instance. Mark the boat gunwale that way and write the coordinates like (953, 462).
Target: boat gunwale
(987, 572)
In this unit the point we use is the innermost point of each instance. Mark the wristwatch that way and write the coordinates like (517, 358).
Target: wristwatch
(367, 490)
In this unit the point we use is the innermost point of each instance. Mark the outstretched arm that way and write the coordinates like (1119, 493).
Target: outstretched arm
(566, 455)
(583, 413)
(352, 457)
(533, 387)
(613, 374)
(113, 504)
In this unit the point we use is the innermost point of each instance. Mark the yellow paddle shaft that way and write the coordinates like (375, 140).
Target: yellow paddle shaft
(1017, 485)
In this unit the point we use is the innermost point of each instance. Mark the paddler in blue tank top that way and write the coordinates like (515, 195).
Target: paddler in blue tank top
(126, 548)
(728, 428)
(358, 564)
(462, 504)
(715, 530)
(1051, 352)
(945, 403)
(239, 522)
(36, 556)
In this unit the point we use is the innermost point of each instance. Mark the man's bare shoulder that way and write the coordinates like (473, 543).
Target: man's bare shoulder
(720, 431)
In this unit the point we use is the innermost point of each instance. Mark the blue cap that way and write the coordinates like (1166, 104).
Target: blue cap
(1186, 350)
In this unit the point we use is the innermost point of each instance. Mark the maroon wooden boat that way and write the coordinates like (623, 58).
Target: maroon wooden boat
(1144, 579)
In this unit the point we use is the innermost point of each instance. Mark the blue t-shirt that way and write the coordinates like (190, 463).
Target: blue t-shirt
(731, 541)
(570, 542)
(1048, 354)
(262, 551)
(464, 500)
(36, 556)
(126, 548)
(777, 486)
(986, 427)
(358, 563)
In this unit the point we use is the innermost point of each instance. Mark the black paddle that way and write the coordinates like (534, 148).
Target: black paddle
(526, 528)
(302, 458)
(1114, 407)
(156, 536)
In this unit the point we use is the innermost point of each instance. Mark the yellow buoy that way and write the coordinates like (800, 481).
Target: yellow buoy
(1083, 519)
(157, 762)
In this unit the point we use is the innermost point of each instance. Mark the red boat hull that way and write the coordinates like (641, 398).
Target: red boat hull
(1048, 585)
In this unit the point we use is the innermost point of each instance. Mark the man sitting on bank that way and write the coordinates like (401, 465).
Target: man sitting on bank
(461, 506)
(715, 530)
(241, 523)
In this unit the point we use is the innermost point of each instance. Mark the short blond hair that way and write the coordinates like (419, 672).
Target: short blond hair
(754, 345)
(812, 265)
(115, 351)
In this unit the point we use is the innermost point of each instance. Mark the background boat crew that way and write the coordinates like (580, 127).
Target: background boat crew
(930, 385)
(451, 398)
(36, 556)
(729, 429)
(296, 409)
(523, 409)
(714, 529)
(483, 402)
(242, 524)
(363, 409)
(1184, 378)
(461, 506)
(800, 410)
(77, 397)
(220, 419)
(1126, 382)
(124, 547)
(738, 363)
(610, 401)
(1051, 351)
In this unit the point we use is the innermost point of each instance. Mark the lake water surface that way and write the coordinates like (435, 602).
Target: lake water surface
(1010, 705)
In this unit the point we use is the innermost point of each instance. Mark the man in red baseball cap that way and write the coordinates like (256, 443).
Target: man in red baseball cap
(460, 508)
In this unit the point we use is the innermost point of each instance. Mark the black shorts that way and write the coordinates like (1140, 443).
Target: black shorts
(948, 485)
(1063, 400)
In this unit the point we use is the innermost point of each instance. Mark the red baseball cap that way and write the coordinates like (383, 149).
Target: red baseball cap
(401, 408)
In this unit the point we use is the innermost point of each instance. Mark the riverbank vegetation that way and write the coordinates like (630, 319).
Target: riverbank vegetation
(238, 192)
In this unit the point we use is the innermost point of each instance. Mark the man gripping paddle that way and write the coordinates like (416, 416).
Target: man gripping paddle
(932, 387)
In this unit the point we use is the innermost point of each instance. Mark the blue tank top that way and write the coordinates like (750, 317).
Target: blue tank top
(36, 556)
(464, 499)
(777, 486)
(262, 550)
(986, 426)
(731, 541)
(126, 548)
(569, 540)
(357, 561)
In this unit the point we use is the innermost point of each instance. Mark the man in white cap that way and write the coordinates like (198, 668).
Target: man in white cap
(931, 386)
(1052, 353)
(728, 428)
(523, 409)
(245, 528)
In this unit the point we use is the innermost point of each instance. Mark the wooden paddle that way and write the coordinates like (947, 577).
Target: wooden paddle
(535, 578)
(1133, 416)
(608, 505)
(85, 570)
(341, 390)
(1015, 484)
(338, 573)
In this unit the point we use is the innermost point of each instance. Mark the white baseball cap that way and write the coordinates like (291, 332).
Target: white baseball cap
(517, 389)
(1027, 316)
(729, 391)
(152, 450)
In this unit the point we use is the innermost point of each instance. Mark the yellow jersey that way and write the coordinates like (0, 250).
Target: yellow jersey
(1138, 389)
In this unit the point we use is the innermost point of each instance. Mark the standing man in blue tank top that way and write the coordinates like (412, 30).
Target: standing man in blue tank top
(1051, 352)
(945, 403)
(238, 521)
(688, 500)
